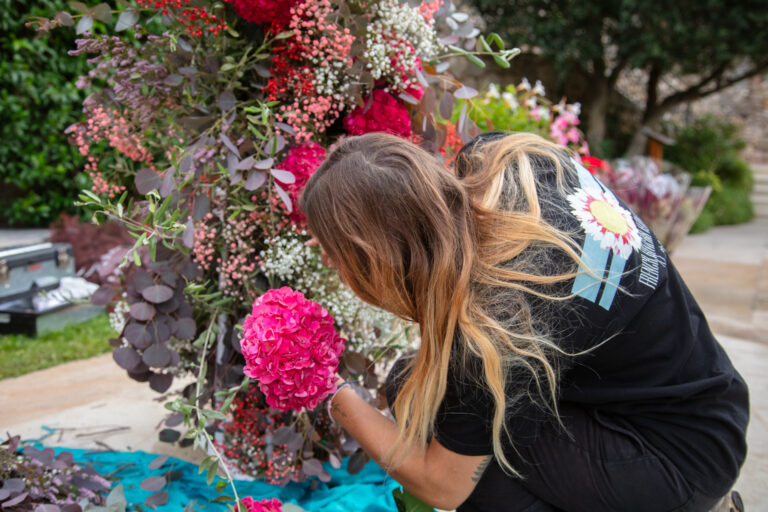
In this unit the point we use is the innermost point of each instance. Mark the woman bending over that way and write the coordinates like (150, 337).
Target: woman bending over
(563, 363)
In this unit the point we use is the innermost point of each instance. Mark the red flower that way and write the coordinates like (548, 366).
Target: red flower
(594, 164)
(381, 113)
(276, 14)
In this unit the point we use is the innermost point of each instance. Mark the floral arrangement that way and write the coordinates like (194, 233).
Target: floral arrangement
(660, 194)
(203, 123)
(291, 349)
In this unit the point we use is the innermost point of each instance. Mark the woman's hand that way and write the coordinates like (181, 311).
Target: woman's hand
(439, 477)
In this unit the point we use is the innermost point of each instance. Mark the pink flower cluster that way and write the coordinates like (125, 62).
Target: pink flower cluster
(292, 349)
(563, 128)
(302, 161)
(324, 47)
(103, 123)
(274, 13)
(428, 9)
(266, 505)
(204, 248)
(384, 114)
(238, 235)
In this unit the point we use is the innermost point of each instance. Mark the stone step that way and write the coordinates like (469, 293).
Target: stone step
(761, 210)
(760, 188)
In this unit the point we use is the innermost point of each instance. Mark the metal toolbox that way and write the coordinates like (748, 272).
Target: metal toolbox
(29, 269)
(36, 285)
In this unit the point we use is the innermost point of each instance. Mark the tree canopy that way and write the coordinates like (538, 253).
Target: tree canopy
(711, 43)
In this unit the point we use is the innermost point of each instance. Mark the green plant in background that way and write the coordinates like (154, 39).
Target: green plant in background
(39, 170)
(709, 149)
(524, 108)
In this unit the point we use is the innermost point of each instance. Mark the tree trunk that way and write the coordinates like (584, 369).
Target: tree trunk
(651, 115)
(639, 139)
(596, 116)
(638, 144)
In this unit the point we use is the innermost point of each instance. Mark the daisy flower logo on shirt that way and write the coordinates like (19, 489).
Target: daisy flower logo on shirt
(605, 220)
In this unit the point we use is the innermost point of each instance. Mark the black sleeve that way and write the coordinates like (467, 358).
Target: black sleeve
(464, 420)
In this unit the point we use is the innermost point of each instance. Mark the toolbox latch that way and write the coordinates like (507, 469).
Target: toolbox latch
(63, 258)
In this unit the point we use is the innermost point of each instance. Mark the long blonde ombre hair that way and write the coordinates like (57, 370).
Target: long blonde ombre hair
(456, 252)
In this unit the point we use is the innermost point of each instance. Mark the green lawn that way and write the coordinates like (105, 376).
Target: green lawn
(20, 354)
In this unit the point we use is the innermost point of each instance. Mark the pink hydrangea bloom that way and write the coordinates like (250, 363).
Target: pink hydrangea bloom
(267, 505)
(292, 349)
(302, 161)
(384, 114)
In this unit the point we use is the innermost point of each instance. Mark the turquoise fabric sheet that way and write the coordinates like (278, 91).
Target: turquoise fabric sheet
(367, 491)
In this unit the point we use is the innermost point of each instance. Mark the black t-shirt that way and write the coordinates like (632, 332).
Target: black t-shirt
(654, 364)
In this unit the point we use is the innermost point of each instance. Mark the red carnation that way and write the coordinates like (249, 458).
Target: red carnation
(381, 113)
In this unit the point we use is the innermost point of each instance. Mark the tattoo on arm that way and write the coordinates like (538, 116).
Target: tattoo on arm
(481, 469)
(338, 410)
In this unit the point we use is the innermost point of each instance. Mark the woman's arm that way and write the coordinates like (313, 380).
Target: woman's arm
(439, 477)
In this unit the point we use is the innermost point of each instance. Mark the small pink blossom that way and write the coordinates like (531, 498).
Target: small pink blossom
(292, 349)
(266, 505)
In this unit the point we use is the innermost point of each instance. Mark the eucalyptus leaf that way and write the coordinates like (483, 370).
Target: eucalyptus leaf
(285, 198)
(65, 19)
(186, 329)
(158, 499)
(102, 12)
(127, 19)
(79, 6)
(147, 180)
(84, 25)
(227, 101)
(126, 358)
(188, 237)
(245, 164)
(265, 164)
(255, 180)
(156, 356)
(157, 293)
(160, 382)
(142, 311)
(282, 176)
(465, 92)
(169, 435)
(169, 182)
(158, 462)
(153, 483)
(228, 143)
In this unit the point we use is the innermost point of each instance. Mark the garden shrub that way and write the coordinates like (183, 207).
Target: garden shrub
(709, 149)
(39, 169)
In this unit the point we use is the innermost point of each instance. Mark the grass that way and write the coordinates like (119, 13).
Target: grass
(21, 354)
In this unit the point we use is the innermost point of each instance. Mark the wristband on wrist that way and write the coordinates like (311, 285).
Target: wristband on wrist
(330, 399)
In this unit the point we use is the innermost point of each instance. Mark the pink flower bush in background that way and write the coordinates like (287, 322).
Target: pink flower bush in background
(384, 114)
(292, 349)
(266, 505)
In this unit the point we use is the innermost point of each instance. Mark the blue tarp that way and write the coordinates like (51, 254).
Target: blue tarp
(367, 491)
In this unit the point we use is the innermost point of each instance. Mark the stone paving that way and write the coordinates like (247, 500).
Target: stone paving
(92, 404)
